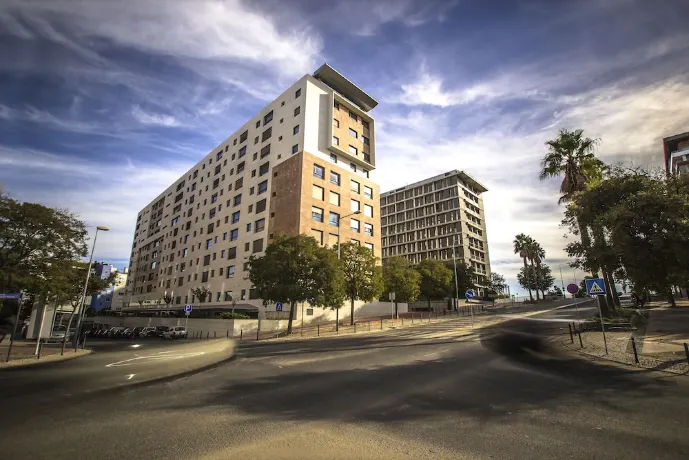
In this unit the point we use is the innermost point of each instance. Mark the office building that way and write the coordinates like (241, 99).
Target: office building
(302, 165)
(434, 217)
(676, 150)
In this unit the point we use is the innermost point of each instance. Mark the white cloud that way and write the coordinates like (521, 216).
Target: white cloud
(428, 90)
(210, 30)
(100, 195)
(148, 118)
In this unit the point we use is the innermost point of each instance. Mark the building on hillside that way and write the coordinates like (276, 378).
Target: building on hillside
(676, 150)
(434, 217)
(301, 165)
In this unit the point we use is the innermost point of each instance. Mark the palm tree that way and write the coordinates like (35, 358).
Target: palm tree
(522, 244)
(571, 155)
(536, 256)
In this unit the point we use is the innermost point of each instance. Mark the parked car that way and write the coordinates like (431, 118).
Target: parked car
(176, 332)
(58, 332)
(160, 330)
(148, 331)
(626, 300)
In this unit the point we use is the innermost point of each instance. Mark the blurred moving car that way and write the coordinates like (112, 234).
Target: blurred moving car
(176, 332)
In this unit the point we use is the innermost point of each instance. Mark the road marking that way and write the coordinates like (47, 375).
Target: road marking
(156, 357)
(129, 377)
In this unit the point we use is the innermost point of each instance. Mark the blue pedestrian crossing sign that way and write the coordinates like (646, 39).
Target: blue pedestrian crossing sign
(278, 306)
(595, 286)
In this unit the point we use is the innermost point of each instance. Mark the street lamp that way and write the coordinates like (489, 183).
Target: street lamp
(77, 330)
(338, 231)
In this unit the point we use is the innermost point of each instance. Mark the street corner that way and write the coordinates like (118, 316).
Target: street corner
(33, 361)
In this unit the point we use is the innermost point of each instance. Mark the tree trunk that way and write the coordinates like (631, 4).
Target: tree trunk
(615, 297)
(586, 242)
(292, 307)
(528, 280)
(396, 311)
(337, 320)
(351, 322)
(608, 289)
(671, 298)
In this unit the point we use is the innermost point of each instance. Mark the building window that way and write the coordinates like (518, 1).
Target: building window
(334, 219)
(261, 206)
(209, 243)
(204, 277)
(268, 118)
(354, 186)
(242, 152)
(364, 124)
(257, 246)
(353, 133)
(206, 260)
(266, 134)
(318, 235)
(335, 198)
(237, 200)
(214, 198)
(336, 122)
(364, 140)
(355, 205)
(336, 140)
(333, 158)
(265, 151)
(369, 246)
(235, 217)
(211, 213)
(317, 214)
(354, 225)
(319, 171)
(259, 225)
(368, 192)
(244, 136)
(368, 210)
(232, 253)
(240, 167)
(353, 150)
(295, 148)
(230, 271)
(334, 178)
(317, 193)
(295, 130)
(296, 111)
(263, 187)
(368, 229)
(248, 229)
(263, 169)
(297, 93)
(352, 166)
(337, 105)
(234, 234)
(185, 251)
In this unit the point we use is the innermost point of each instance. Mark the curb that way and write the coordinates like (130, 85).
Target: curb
(23, 363)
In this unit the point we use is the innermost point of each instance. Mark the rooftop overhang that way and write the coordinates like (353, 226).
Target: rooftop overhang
(474, 183)
(342, 85)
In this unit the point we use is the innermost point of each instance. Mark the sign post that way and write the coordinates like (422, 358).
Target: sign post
(391, 296)
(470, 294)
(187, 311)
(573, 289)
(18, 297)
(595, 287)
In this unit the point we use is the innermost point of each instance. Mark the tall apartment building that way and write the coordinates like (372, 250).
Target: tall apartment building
(300, 166)
(429, 218)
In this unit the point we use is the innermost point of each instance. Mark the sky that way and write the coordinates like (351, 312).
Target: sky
(104, 104)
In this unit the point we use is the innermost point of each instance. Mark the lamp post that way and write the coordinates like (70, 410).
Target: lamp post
(454, 262)
(77, 330)
(339, 224)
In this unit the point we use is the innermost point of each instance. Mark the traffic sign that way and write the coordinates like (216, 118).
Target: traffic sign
(278, 306)
(572, 288)
(595, 286)
(11, 295)
(187, 308)
(470, 294)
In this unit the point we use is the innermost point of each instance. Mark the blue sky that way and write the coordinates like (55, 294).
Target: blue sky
(105, 103)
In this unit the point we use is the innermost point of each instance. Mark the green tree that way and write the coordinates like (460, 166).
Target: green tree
(465, 276)
(296, 269)
(497, 284)
(435, 279)
(362, 276)
(34, 239)
(399, 277)
(201, 293)
(522, 246)
(572, 157)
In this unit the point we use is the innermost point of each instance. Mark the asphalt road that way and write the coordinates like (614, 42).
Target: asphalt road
(427, 392)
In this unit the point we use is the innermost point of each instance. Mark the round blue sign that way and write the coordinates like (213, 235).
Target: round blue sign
(470, 294)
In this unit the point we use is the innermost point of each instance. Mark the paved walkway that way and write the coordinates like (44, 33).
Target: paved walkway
(667, 329)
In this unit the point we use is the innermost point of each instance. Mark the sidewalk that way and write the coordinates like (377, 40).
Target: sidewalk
(23, 354)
